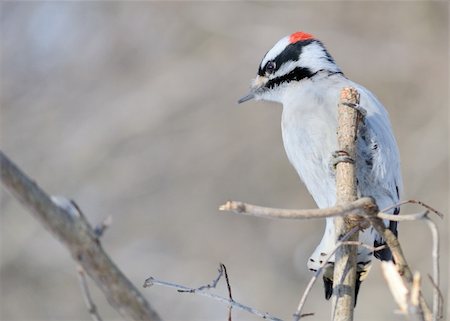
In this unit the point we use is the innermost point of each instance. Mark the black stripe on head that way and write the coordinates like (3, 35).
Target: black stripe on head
(292, 52)
(296, 74)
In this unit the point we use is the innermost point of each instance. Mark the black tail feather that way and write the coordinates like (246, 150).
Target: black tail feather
(328, 286)
(385, 254)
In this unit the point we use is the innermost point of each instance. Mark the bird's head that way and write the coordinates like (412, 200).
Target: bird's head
(294, 58)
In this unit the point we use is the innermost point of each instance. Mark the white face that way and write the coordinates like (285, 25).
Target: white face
(289, 62)
(274, 94)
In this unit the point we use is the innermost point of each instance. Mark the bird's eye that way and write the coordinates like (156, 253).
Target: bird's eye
(270, 67)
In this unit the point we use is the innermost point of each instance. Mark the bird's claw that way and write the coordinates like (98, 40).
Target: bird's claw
(340, 156)
(357, 107)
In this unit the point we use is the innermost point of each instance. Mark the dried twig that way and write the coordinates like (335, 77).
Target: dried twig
(92, 309)
(298, 313)
(407, 298)
(203, 290)
(208, 286)
(437, 309)
(396, 284)
(230, 297)
(357, 207)
(98, 230)
(366, 208)
(403, 217)
(70, 226)
(441, 297)
(400, 260)
(431, 209)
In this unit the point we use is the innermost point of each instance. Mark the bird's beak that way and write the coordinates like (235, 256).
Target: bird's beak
(250, 96)
(257, 86)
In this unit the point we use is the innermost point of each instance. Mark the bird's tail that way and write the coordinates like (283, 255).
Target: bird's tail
(361, 273)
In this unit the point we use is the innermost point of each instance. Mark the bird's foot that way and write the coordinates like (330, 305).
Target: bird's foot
(340, 156)
(357, 107)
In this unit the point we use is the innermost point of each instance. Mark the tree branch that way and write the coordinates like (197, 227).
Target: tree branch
(298, 313)
(70, 226)
(437, 308)
(344, 275)
(358, 207)
(203, 291)
(399, 258)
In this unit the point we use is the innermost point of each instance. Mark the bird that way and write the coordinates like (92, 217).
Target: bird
(299, 73)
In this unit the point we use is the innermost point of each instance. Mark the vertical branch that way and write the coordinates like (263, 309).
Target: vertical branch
(345, 263)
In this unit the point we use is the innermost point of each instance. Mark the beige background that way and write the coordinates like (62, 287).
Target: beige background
(130, 109)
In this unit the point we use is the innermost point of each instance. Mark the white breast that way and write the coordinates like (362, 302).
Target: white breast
(309, 124)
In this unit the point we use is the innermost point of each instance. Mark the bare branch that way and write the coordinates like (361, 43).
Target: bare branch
(399, 258)
(408, 299)
(431, 209)
(211, 285)
(357, 207)
(298, 313)
(403, 217)
(371, 248)
(437, 309)
(364, 207)
(228, 288)
(441, 297)
(92, 309)
(203, 291)
(70, 226)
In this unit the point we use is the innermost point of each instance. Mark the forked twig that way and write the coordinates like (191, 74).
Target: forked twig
(354, 208)
(68, 224)
(298, 313)
(203, 291)
(208, 286)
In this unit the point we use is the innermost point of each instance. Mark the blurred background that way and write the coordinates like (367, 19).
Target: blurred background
(130, 109)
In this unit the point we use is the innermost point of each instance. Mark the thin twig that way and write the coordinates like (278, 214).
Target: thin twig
(92, 308)
(400, 260)
(435, 258)
(222, 271)
(403, 217)
(203, 292)
(211, 285)
(441, 297)
(230, 297)
(357, 207)
(372, 248)
(441, 215)
(298, 313)
(414, 311)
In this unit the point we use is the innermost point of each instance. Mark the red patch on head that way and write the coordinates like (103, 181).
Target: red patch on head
(299, 36)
